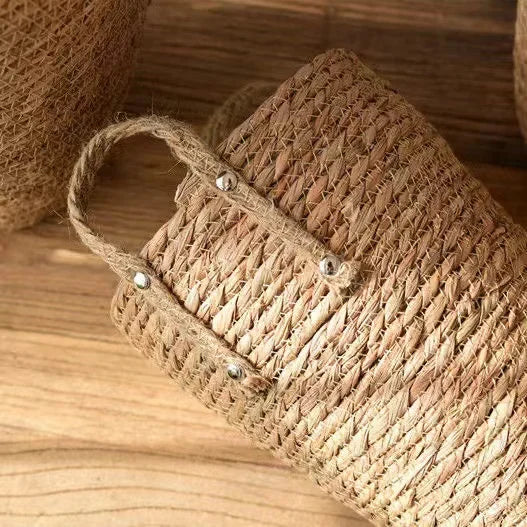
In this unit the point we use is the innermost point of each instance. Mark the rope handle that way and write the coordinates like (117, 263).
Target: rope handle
(188, 147)
(182, 142)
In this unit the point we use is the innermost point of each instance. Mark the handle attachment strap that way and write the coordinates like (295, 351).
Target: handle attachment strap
(188, 147)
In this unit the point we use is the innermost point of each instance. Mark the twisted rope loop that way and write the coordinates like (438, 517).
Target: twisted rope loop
(189, 148)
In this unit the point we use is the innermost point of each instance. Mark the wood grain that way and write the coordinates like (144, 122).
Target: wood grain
(90, 433)
(453, 60)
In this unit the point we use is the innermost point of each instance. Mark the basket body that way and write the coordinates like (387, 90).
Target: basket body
(404, 399)
(65, 68)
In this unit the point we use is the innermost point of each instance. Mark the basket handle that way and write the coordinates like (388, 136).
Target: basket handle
(186, 146)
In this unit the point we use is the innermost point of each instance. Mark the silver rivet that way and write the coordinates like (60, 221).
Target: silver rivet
(226, 181)
(234, 371)
(329, 266)
(141, 280)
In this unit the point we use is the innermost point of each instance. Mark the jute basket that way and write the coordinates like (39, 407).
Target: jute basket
(65, 67)
(338, 286)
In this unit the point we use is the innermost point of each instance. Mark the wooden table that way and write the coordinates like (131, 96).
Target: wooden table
(90, 433)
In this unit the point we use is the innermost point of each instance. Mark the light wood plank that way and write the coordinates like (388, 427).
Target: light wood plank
(91, 433)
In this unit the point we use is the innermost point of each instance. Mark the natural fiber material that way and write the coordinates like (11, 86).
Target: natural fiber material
(404, 394)
(235, 110)
(65, 66)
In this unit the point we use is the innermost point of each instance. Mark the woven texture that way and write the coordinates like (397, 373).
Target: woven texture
(238, 107)
(520, 65)
(65, 66)
(404, 396)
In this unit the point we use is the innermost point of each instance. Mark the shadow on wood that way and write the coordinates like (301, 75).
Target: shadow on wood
(454, 61)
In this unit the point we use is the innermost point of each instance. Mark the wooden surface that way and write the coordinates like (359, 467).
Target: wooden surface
(90, 433)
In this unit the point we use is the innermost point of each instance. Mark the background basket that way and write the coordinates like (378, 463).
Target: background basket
(65, 67)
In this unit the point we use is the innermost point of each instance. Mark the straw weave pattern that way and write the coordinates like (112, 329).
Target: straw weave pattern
(64, 68)
(405, 399)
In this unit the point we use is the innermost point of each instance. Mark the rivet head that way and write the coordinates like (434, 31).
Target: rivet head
(141, 280)
(234, 371)
(226, 181)
(329, 266)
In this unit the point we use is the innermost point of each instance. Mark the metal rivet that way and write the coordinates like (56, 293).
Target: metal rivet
(329, 266)
(141, 280)
(234, 371)
(226, 181)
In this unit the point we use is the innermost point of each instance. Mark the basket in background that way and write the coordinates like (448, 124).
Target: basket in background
(65, 67)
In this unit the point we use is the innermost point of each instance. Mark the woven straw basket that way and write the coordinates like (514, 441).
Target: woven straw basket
(65, 66)
(338, 286)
